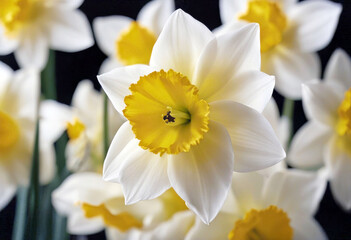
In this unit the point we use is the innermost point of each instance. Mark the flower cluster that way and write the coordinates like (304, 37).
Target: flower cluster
(185, 140)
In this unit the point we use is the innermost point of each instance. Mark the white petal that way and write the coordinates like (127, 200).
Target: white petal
(155, 14)
(307, 147)
(255, 144)
(107, 31)
(173, 50)
(32, 50)
(47, 161)
(287, 5)
(338, 69)
(85, 96)
(320, 102)
(143, 175)
(315, 23)
(291, 68)
(295, 191)
(78, 224)
(7, 192)
(271, 113)
(219, 228)
(339, 163)
(307, 228)
(70, 31)
(202, 176)
(66, 4)
(229, 9)
(109, 64)
(117, 82)
(120, 147)
(7, 45)
(253, 89)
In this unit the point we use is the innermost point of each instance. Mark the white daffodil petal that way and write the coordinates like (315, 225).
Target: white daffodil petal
(155, 14)
(218, 229)
(109, 64)
(67, 4)
(70, 31)
(180, 44)
(107, 31)
(314, 23)
(271, 113)
(6, 194)
(295, 191)
(7, 45)
(121, 144)
(47, 165)
(286, 4)
(255, 144)
(307, 147)
(202, 176)
(338, 69)
(339, 163)
(229, 9)
(253, 89)
(117, 82)
(78, 224)
(291, 68)
(307, 228)
(85, 96)
(143, 175)
(320, 102)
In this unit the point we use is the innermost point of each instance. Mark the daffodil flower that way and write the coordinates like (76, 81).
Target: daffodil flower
(290, 33)
(126, 41)
(30, 27)
(191, 116)
(326, 138)
(278, 207)
(19, 99)
(84, 151)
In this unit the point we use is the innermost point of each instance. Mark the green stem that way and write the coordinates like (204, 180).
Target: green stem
(288, 111)
(48, 82)
(21, 214)
(106, 130)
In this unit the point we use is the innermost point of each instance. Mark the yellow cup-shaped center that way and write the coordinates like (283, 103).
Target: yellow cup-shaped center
(9, 132)
(271, 223)
(343, 126)
(271, 19)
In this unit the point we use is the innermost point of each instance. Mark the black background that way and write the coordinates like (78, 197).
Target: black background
(73, 67)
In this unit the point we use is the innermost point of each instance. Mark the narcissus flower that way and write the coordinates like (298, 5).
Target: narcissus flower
(19, 98)
(126, 41)
(326, 138)
(191, 118)
(31, 27)
(278, 207)
(291, 32)
(84, 151)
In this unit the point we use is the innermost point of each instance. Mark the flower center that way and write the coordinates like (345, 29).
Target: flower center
(9, 132)
(15, 14)
(271, 223)
(75, 129)
(134, 45)
(343, 126)
(172, 203)
(166, 113)
(122, 221)
(271, 19)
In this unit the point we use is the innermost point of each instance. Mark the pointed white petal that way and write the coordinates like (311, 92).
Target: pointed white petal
(78, 224)
(7, 192)
(173, 50)
(7, 45)
(314, 23)
(230, 9)
(117, 82)
(307, 147)
(107, 31)
(109, 64)
(271, 113)
(219, 228)
(121, 146)
(339, 163)
(291, 68)
(85, 96)
(202, 176)
(70, 31)
(307, 228)
(295, 191)
(338, 69)
(321, 101)
(143, 175)
(66, 4)
(155, 14)
(255, 144)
